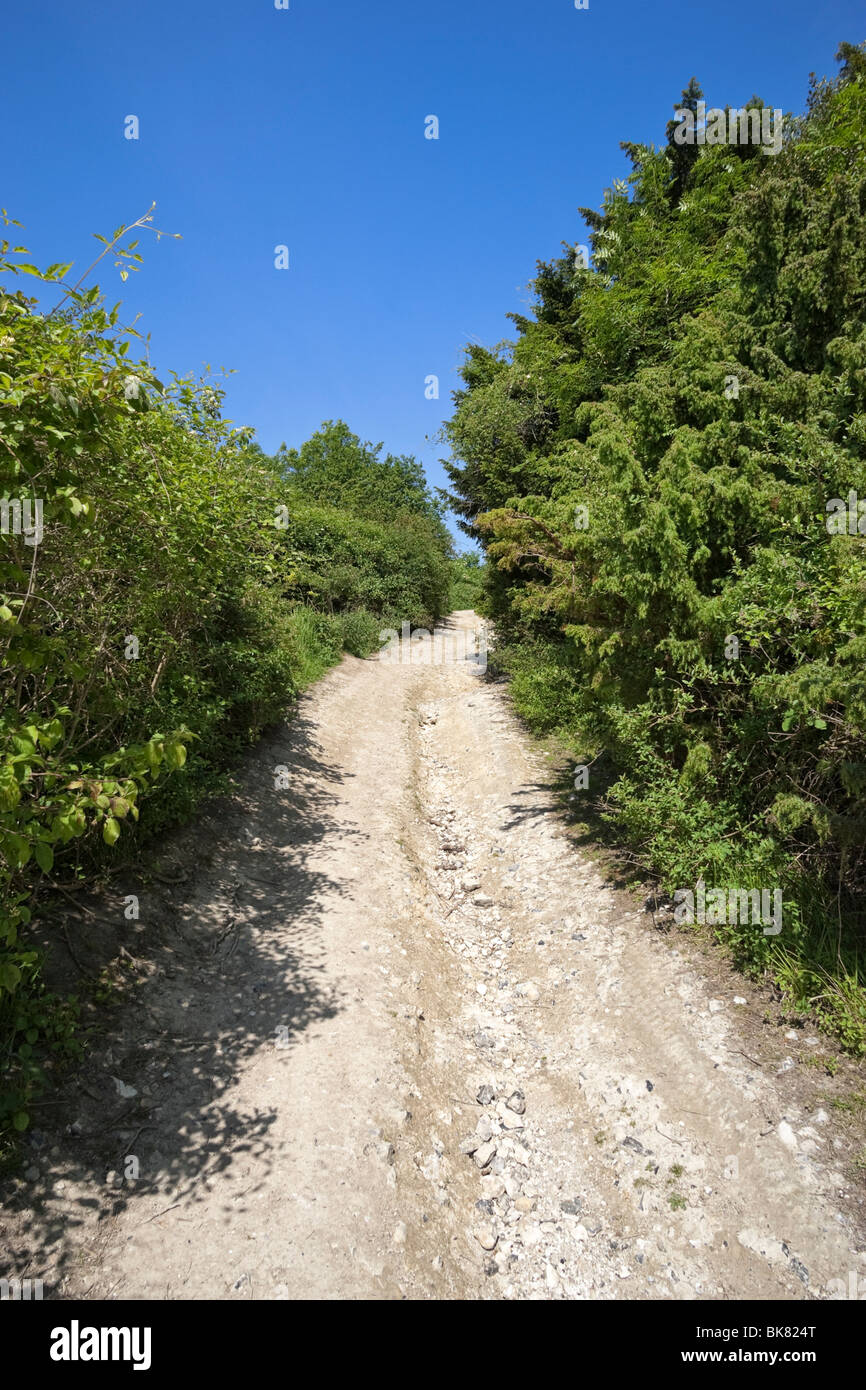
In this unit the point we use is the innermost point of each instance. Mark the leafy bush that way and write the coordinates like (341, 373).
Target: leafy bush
(467, 581)
(177, 588)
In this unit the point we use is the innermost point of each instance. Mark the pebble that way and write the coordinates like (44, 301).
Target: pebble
(484, 1154)
(493, 1187)
(529, 990)
(400, 1233)
(517, 1102)
(482, 900)
(510, 1120)
(485, 1095)
(486, 1237)
(787, 1135)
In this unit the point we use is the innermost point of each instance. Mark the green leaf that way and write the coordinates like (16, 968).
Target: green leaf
(44, 856)
(10, 976)
(175, 755)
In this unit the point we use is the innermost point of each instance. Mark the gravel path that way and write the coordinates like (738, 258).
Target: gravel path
(394, 1036)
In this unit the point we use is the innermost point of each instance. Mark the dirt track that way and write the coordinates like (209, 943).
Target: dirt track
(320, 1002)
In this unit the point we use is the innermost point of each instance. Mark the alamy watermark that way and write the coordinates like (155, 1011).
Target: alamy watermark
(441, 647)
(22, 517)
(846, 519)
(20, 1290)
(77, 1343)
(730, 906)
(854, 1287)
(741, 126)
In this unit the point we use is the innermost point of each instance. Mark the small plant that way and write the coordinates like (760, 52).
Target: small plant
(854, 1105)
(820, 1062)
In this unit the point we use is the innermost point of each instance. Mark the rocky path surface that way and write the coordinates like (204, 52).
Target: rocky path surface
(393, 1036)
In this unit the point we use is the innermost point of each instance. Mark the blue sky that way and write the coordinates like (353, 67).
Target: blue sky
(305, 127)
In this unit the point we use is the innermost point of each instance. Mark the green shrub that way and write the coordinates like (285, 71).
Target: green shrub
(360, 630)
(649, 467)
(184, 589)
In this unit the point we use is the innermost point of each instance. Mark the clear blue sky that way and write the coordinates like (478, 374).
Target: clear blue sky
(305, 127)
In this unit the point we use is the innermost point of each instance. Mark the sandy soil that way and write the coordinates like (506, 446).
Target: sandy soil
(386, 1032)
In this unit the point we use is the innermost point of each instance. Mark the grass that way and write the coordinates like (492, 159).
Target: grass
(853, 1105)
(816, 983)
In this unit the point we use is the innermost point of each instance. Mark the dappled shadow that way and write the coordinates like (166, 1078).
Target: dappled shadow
(580, 814)
(224, 962)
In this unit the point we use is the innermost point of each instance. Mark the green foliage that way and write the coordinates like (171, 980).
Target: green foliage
(467, 581)
(182, 588)
(397, 568)
(648, 466)
(334, 467)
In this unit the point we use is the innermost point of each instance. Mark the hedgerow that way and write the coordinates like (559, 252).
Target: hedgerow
(176, 589)
(653, 467)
